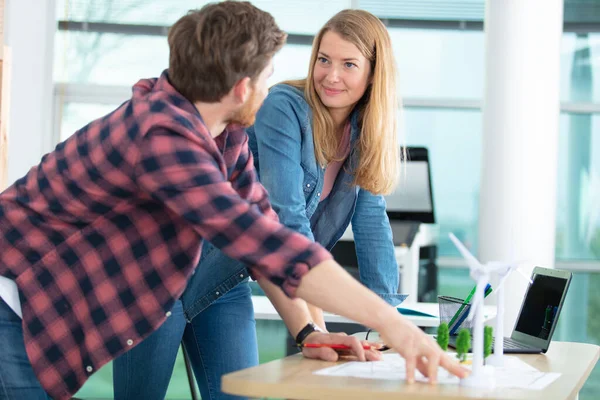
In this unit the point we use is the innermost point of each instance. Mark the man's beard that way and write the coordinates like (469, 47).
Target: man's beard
(246, 115)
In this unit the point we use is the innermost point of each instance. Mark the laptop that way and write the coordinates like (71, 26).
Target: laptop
(539, 312)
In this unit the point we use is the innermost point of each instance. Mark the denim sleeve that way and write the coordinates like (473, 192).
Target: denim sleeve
(279, 142)
(377, 264)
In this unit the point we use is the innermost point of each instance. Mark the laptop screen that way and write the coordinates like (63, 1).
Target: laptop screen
(541, 306)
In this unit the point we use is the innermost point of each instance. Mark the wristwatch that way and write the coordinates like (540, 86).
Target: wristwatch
(307, 330)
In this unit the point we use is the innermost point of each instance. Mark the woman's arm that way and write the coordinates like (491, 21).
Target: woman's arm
(317, 316)
(377, 263)
(279, 144)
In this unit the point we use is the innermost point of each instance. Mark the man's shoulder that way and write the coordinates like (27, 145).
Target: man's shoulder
(155, 103)
(161, 112)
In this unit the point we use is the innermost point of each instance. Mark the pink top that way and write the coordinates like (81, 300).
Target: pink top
(333, 168)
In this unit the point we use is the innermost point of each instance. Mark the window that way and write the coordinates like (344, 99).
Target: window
(578, 216)
(108, 58)
(431, 63)
(456, 199)
(77, 115)
(580, 68)
(442, 96)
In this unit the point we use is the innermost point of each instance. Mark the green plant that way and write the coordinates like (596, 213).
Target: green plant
(463, 343)
(443, 336)
(488, 337)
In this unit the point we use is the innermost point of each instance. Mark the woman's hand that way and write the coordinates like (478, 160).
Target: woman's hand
(419, 350)
(329, 354)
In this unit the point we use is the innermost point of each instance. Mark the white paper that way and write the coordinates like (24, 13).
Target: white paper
(10, 294)
(514, 374)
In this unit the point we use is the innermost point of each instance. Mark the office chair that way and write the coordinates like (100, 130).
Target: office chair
(190, 373)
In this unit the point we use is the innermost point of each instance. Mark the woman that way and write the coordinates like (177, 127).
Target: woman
(326, 150)
(326, 147)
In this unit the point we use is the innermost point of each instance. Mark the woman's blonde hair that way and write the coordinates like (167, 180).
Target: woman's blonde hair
(379, 159)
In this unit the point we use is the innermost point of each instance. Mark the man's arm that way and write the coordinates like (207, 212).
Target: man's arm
(188, 177)
(258, 196)
(349, 298)
(289, 307)
(295, 314)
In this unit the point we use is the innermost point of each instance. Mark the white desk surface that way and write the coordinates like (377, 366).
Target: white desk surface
(263, 309)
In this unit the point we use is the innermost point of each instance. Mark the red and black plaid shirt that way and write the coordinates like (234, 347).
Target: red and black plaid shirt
(103, 234)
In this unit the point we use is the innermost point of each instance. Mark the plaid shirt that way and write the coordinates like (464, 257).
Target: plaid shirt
(103, 234)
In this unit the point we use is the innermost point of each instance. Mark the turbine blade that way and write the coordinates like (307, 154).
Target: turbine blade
(471, 260)
(501, 283)
(523, 274)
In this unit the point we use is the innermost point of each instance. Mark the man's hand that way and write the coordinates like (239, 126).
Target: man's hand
(419, 350)
(352, 300)
(328, 354)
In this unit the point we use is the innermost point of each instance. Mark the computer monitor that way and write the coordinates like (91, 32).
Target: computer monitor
(413, 198)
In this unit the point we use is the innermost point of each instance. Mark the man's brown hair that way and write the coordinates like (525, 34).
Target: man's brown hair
(214, 47)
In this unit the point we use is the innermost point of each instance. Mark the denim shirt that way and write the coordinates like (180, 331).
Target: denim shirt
(282, 144)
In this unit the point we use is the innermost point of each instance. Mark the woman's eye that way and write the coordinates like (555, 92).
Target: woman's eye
(322, 60)
(350, 65)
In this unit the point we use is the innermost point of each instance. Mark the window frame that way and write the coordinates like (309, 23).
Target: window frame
(106, 94)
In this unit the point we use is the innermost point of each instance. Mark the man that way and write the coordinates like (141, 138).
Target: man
(101, 237)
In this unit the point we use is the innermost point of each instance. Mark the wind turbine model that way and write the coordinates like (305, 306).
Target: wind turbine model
(502, 271)
(481, 376)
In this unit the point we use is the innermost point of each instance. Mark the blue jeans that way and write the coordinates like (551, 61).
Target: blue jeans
(17, 379)
(219, 340)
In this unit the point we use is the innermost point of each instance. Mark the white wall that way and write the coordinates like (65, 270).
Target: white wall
(30, 29)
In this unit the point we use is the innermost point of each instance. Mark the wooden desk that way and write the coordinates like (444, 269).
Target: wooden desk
(292, 378)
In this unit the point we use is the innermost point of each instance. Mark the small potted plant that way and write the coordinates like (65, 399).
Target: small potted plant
(443, 336)
(488, 337)
(463, 343)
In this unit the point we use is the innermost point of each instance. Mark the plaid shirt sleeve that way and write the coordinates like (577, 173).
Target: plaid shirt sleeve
(192, 183)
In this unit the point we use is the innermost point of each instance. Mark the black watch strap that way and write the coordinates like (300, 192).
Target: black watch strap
(307, 330)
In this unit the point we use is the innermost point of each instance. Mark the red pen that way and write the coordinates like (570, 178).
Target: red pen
(331, 346)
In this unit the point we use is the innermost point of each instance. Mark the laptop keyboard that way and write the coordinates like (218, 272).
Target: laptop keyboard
(511, 344)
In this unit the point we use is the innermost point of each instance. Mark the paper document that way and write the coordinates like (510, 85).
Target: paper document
(514, 374)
